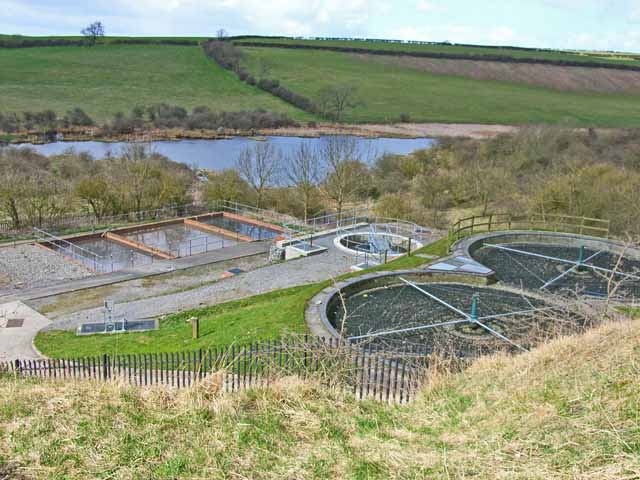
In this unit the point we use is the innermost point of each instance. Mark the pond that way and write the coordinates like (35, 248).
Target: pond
(222, 154)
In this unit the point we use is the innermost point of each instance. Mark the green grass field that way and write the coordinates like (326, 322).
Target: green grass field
(106, 79)
(555, 55)
(263, 317)
(385, 92)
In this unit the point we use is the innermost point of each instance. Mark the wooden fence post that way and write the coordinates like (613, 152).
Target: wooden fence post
(195, 327)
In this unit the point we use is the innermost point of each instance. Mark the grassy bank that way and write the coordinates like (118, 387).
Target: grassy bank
(564, 411)
(105, 79)
(387, 91)
(262, 317)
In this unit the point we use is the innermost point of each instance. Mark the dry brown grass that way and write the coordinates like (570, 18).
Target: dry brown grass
(567, 410)
(573, 79)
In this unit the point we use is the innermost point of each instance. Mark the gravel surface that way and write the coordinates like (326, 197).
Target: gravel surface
(28, 266)
(273, 277)
(60, 306)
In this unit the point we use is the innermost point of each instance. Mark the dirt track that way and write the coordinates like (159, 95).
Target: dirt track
(409, 130)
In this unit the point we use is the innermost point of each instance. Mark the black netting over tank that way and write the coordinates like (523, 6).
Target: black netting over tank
(399, 315)
(552, 268)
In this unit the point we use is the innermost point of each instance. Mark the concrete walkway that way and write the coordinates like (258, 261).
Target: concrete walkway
(18, 326)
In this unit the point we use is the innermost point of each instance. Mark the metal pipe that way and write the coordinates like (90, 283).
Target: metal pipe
(499, 335)
(433, 297)
(521, 312)
(567, 272)
(410, 329)
(561, 260)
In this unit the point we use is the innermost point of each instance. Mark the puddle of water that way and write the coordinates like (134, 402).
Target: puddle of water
(232, 225)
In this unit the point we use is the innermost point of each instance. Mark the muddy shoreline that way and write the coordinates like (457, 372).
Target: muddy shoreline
(400, 130)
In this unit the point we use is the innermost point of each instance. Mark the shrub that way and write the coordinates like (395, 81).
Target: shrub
(77, 117)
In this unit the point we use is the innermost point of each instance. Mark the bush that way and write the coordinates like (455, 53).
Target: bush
(77, 117)
(405, 118)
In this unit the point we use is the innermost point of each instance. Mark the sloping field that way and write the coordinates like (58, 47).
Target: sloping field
(387, 91)
(568, 410)
(442, 49)
(570, 79)
(106, 79)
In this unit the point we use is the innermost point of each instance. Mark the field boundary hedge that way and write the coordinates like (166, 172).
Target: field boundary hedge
(444, 56)
(28, 42)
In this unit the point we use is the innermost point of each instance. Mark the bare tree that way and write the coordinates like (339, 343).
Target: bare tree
(12, 192)
(344, 173)
(222, 34)
(259, 166)
(303, 173)
(136, 168)
(93, 31)
(334, 101)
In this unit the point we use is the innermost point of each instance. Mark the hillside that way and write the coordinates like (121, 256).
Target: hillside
(567, 410)
(385, 91)
(444, 50)
(115, 76)
(105, 79)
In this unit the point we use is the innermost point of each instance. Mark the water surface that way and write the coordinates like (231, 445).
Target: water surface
(221, 154)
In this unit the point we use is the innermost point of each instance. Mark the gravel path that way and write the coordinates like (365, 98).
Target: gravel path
(29, 266)
(273, 277)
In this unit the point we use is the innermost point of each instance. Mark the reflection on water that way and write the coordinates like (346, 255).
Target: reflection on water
(180, 240)
(111, 256)
(221, 154)
(246, 229)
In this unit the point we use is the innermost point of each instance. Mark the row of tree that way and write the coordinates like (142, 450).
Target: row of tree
(303, 182)
(160, 116)
(538, 169)
(35, 188)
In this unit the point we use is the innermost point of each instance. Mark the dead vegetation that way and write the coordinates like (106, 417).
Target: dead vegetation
(568, 79)
(566, 410)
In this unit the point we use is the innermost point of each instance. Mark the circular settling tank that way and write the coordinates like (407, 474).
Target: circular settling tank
(392, 312)
(376, 243)
(561, 264)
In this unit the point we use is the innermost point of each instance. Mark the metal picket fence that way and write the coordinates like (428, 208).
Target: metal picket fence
(370, 374)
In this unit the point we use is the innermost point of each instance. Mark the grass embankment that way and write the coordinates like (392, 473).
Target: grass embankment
(478, 51)
(262, 317)
(105, 79)
(566, 410)
(387, 91)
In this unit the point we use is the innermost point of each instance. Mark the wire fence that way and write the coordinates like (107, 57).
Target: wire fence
(367, 373)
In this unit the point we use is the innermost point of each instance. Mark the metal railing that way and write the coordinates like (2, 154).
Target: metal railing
(89, 222)
(507, 221)
(288, 223)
